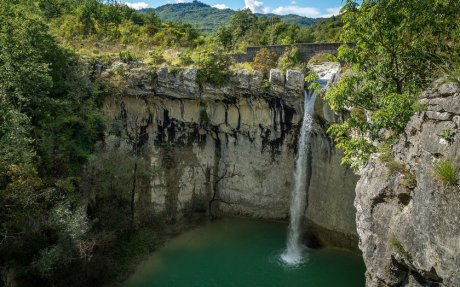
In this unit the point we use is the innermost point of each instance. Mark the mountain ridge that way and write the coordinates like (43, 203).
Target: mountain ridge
(207, 18)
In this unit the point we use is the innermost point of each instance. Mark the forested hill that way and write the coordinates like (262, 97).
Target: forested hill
(207, 19)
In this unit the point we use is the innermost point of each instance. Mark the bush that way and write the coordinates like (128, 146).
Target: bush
(322, 58)
(446, 172)
(213, 66)
(185, 58)
(264, 61)
(290, 60)
(126, 56)
(156, 57)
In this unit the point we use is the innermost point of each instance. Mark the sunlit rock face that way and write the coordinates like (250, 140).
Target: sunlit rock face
(408, 218)
(244, 132)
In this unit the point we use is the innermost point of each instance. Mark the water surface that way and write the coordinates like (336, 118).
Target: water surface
(240, 253)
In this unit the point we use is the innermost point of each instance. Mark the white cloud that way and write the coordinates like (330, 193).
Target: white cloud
(306, 11)
(294, 9)
(332, 12)
(256, 6)
(182, 1)
(137, 5)
(220, 6)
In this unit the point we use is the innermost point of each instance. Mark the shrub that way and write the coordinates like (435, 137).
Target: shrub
(264, 61)
(446, 172)
(213, 66)
(290, 59)
(156, 57)
(322, 58)
(185, 58)
(126, 56)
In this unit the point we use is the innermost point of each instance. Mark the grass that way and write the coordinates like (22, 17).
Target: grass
(394, 166)
(446, 171)
(400, 249)
(447, 135)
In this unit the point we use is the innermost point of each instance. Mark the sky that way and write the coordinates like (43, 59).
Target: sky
(308, 8)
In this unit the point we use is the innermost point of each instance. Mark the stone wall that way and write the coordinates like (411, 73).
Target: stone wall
(307, 51)
(197, 132)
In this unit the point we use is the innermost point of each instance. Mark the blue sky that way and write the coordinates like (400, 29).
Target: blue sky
(309, 8)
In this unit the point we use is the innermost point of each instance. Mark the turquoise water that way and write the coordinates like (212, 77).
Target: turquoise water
(240, 253)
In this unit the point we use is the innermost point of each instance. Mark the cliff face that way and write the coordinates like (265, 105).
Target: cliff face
(239, 139)
(407, 217)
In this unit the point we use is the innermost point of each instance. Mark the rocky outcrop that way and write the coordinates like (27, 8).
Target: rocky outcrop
(407, 216)
(244, 131)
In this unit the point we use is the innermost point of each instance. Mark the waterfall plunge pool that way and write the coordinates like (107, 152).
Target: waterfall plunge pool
(243, 253)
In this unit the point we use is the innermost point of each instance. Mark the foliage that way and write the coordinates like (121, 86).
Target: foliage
(156, 57)
(447, 134)
(112, 26)
(326, 30)
(397, 48)
(208, 19)
(322, 58)
(213, 65)
(245, 29)
(312, 81)
(49, 120)
(264, 61)
(446, 171)
(290, 60)
(127, 56)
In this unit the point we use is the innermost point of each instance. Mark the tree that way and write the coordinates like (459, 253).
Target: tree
(399, 47)
(290, 59)
(264, 61)
(49, 120)
(216, 178)
(213, 65)
(225, 36)
(242, 21)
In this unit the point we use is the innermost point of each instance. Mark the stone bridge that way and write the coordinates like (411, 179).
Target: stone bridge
(307, 51)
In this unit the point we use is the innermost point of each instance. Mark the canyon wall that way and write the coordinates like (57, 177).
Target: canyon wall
(407, 210)
(238, 139)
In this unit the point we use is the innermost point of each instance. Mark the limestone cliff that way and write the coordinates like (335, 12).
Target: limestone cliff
(245, 132)
(407, 217)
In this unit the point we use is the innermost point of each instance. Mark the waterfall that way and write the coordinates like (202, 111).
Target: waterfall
(293, 253)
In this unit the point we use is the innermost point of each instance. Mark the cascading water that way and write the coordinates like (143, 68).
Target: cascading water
(293, 253)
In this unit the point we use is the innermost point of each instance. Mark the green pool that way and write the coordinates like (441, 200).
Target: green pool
(241, 253)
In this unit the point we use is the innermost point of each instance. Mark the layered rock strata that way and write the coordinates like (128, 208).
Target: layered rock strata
(239, 138)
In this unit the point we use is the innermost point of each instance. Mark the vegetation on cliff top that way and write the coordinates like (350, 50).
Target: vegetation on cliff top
(400, 47)
(57, 221)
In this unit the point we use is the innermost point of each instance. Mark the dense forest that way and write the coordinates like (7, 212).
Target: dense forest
(65, 218)
(207, 19)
